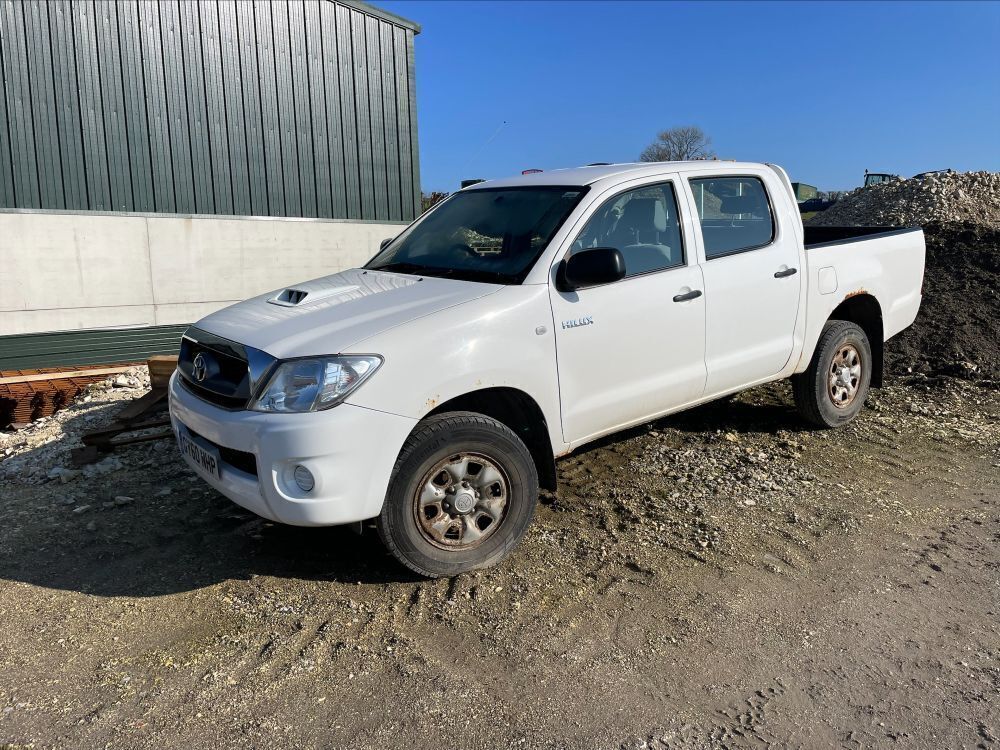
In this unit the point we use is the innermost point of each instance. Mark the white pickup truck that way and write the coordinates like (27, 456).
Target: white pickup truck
(433, 389)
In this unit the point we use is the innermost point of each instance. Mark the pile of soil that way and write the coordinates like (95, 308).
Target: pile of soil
(957, 331)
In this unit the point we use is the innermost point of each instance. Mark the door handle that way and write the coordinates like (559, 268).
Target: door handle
(693, 294)
(786, 272)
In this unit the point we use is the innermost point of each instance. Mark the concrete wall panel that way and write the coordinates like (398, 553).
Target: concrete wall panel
(71, 271)
(53, 261)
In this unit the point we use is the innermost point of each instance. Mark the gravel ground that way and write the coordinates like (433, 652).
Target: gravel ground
(722, 578)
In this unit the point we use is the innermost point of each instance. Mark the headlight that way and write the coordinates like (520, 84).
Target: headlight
(314, 384)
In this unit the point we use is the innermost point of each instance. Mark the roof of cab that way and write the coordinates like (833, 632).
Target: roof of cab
(589, 175)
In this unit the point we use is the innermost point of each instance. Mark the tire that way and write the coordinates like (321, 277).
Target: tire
(824, 394)
(426, 520)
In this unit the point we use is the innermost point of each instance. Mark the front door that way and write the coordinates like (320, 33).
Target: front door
(628, 350)
(752, 282)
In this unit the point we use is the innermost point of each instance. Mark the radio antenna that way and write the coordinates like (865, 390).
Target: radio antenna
(483, 147)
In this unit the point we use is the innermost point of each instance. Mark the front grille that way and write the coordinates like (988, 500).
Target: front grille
(220, 371)
(239, 460)
(226, 402)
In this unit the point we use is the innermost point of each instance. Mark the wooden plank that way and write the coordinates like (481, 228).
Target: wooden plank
(11, 379)
(161, 367)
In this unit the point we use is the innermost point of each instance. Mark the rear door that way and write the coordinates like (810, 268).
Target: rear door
(752, 280)
(634, 348)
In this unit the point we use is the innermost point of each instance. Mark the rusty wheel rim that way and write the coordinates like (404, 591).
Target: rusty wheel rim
(844, 379)
(461, 501)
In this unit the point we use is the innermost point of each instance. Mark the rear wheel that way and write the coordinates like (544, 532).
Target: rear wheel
(833, 390)
(461, 497)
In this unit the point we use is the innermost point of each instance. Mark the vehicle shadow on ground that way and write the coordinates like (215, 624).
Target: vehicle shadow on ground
(771, 412)
(767, 409)
(157, 543)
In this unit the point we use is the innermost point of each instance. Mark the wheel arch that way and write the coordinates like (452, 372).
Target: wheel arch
(865, 311)
(518, 411)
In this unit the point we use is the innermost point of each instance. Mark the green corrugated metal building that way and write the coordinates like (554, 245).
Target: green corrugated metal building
(283, 108)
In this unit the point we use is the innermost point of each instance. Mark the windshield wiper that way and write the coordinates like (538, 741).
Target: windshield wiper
(463, 274)
(473, 274)
(400, 267)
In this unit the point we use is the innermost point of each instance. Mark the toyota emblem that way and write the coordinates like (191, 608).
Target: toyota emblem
(199, 369)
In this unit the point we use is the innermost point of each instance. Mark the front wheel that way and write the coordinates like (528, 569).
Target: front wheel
(461, 496)
(833, 390)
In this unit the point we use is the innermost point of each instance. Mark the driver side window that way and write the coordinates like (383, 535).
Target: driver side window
(642, 224)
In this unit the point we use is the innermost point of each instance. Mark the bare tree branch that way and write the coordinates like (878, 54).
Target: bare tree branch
(679, 144)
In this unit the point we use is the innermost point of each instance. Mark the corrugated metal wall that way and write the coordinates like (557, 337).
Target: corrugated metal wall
(283, 108)
(72, 348)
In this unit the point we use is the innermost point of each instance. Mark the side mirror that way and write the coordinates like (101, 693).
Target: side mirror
(386, 241)
(591, 267)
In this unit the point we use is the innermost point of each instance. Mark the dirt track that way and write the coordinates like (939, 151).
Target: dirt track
(724, 578)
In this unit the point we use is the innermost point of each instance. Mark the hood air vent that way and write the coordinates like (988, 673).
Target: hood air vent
(297, 297)
(292, 296)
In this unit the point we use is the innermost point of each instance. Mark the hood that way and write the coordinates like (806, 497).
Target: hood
(328, 315)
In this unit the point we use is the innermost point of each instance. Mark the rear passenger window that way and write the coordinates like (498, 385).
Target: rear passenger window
(642, 224)
(734, 214)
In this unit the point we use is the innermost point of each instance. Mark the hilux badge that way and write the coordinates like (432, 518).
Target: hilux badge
(584, 321)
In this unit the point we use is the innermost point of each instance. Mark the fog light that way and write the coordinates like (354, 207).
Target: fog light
(304, 478)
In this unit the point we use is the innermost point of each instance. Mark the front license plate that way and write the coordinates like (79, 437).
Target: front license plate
(206, 459)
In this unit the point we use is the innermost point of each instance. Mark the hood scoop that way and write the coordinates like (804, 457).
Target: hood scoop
(298, 297)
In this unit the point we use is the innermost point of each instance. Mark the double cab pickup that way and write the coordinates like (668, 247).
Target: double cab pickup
(433, 389)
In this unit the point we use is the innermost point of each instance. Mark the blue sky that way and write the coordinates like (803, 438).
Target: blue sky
(824, 89)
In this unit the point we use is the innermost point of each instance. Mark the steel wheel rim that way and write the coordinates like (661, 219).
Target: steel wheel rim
(844, 376)
(461, 501)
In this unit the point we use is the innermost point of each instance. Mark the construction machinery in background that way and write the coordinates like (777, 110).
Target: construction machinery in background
(877, 178)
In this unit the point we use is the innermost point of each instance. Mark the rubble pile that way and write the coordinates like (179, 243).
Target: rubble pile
(970, 197)
(40, 452)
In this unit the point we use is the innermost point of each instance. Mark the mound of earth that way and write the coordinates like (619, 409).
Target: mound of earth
(958, 329)
(968, 197)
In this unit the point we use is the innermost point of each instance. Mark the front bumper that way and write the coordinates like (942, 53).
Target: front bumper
(350, 451)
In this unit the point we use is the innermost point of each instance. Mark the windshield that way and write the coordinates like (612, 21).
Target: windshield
(490, 234)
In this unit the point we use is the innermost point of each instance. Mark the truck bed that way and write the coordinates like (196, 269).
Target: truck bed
(818, 236)
(886, 263)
